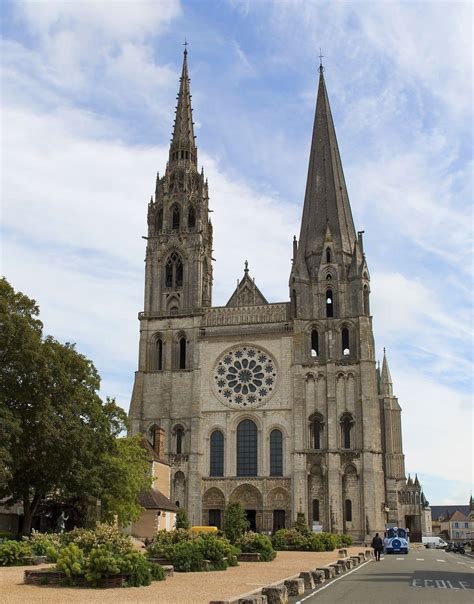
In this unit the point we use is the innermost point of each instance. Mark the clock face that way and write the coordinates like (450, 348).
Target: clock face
(244, 377)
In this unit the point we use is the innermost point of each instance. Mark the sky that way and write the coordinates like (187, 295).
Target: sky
(88, 92)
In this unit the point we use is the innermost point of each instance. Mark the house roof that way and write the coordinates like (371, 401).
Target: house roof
(447, 511)
(458, 516)
(155, 500)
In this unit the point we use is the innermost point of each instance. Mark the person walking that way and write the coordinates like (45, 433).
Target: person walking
(377, 544)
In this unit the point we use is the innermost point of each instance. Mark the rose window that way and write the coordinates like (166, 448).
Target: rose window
(245, 376)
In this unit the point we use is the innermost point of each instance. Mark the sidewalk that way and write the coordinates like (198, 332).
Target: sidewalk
(182, 588)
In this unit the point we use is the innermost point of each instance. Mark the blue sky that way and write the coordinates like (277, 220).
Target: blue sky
(88, 93)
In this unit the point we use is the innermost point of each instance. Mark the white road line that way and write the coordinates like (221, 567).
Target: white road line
(420, 559)
(440, 560)
(462, 563)
(332, 582)
(399, 558)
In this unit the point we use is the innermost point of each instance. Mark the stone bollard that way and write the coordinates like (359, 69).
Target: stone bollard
(276, 594)
(343, 565)
(361, 557)
(349, 563)
(256, 599)
(329, 572)
(338, 568)
(308, 579)
(355, 560)
(369, 553)
(295, 587)
(318, 576)
(343, 553)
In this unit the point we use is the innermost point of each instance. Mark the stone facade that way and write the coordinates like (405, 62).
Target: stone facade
(303, 372)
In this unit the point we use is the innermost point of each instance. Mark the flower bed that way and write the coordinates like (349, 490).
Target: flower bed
(56, 577)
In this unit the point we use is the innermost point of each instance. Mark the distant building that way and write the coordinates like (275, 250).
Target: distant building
(454, 522)
(277, 406)
(160, 511)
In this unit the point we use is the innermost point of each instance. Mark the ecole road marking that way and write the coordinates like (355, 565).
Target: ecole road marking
(332, 582)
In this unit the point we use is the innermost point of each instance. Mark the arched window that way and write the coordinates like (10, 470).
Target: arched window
(217, 454)
(191, 218)
(314, 343)
(175, 218)
(179, 432)
(159, 220)
(328, 254)
(345, 341)
(174, 271)
(182, 353)
(317, 433)
(329, 303)
(159, 354)
(276, 453)
(247, 448)
(315, 510)
(346, 429)
(348, 510)
(366, 300)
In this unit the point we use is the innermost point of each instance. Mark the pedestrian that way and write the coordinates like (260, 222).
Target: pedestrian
(377, 544)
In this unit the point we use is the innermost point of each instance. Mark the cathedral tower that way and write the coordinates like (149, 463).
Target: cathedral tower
(178, 276)
(334, 350)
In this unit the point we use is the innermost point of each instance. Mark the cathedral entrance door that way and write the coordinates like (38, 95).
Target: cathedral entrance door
(252, 518)
(215, 518)
(278, 520)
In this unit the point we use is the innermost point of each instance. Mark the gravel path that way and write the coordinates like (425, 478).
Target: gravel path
(183, 588)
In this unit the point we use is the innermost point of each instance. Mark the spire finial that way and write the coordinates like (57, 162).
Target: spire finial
(186, 43)
(384, 350)
(246, 264)
(321, 57)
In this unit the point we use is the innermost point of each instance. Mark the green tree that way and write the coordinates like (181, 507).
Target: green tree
(235, 522)
(61, 432)
(182, 521)
(126, 472)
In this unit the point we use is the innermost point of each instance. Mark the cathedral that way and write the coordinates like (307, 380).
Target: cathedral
(277, 405)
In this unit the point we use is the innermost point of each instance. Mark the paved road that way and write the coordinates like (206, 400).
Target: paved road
(429, 576)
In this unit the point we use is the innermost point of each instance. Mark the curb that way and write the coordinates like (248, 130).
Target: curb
(277, 592)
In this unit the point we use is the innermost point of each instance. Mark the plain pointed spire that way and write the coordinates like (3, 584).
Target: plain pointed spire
(386, 384)
(326, 202)
(183, 144)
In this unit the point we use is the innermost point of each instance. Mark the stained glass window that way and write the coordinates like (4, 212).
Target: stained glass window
(276, 453)
(217, 454)
(247, 448)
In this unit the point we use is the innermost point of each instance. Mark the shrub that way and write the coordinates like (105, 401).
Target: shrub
(186, 556)
(255, 542)
(101, 564)
(52, 554)
(103, 534)
(157, 572)
(41, 542)
(346, 540)
(163, 540)
(138, 570)
(215, 550)
(330, 541)
(12, 553)
(315, 543)
(235, 522)
(289, 539)
(71, 561)
(182, 521)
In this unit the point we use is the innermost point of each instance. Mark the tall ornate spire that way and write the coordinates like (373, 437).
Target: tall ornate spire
(326, 201)
(386, 384)
(183, 145)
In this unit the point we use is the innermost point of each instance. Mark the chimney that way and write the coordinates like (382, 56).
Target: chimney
(159, 441)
